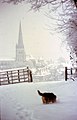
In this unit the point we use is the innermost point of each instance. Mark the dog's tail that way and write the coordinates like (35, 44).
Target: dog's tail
(41, 94)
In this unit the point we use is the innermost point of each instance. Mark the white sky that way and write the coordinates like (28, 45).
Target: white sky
(37, 39)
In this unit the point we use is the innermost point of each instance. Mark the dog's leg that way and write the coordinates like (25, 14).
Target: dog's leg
(53, 100)
(44, 100)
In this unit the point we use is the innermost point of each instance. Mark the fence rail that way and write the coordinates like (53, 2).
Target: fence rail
(15, 76)
(70, 73)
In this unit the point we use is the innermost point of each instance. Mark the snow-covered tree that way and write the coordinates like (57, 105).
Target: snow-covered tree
(65, 17)
(39, 3)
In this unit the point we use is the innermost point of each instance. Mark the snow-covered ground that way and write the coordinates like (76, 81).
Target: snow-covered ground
(22, 102)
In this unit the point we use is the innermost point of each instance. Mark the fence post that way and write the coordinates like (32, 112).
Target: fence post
(65, 73)
(31, 79)
(18, 76)
(0, 81)
(8, 78)
(71, 71)
(11, 77)
(29, 72)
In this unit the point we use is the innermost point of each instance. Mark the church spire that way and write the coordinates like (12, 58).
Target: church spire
(20, 38)
(20, 51)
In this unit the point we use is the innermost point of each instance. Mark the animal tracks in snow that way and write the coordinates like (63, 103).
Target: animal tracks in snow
(24, 114)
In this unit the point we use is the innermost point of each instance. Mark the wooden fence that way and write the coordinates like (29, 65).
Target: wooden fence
(15, 76)
(70, 73)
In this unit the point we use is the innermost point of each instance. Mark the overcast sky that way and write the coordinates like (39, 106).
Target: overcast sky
(37, 39)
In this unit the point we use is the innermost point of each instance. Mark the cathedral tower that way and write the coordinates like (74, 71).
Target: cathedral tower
(20, 51)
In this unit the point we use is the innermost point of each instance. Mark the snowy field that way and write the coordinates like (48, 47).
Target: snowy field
(22, 102)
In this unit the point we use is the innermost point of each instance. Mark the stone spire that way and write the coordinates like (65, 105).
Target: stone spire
(20, 51)
(20, 38)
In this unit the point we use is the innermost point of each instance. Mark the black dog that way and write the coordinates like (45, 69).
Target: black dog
(47, 97)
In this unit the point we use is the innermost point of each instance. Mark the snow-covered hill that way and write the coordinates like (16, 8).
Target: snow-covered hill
(22, 102)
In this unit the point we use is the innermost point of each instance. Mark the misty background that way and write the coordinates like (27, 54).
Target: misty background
(37, 39)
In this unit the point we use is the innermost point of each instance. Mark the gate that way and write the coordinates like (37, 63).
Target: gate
(13, 76)
(70, 73)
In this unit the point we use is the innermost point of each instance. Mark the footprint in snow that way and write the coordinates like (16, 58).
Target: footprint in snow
(24, 114)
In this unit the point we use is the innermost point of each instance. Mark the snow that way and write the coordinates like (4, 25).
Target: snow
(22, 102)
